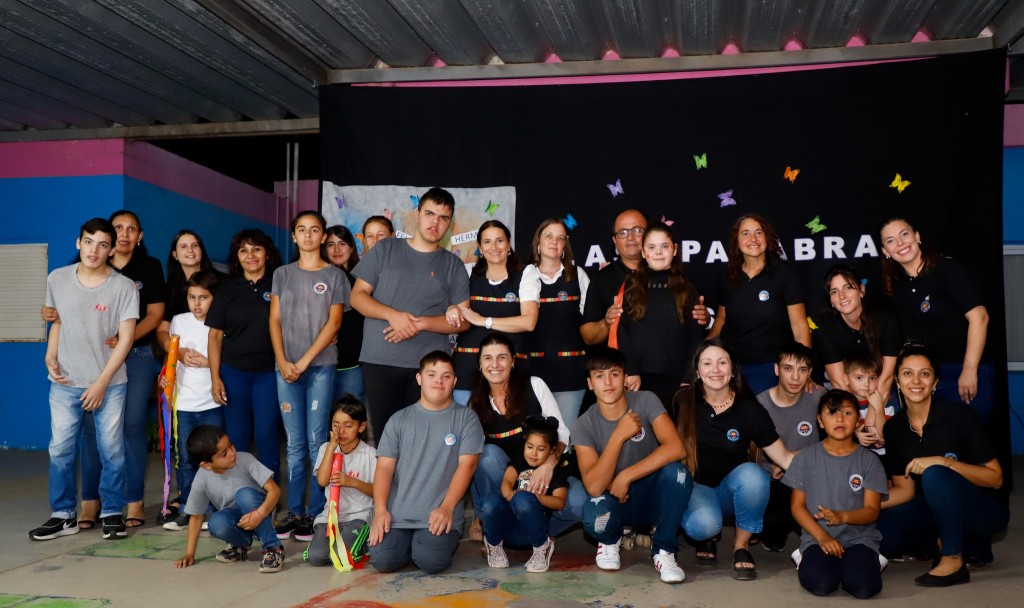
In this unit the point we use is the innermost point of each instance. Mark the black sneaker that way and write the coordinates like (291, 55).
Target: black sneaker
(304, 531)
(178, 523)
(54, 527)
(230, 554)
(286, 525)
(273, 559)
(114, 527)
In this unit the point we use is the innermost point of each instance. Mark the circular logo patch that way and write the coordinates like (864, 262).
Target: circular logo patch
(563, 295)
(763, 295)
(804, 428)
(926, 304)
(856, 482)
(951, 456)
(449, 439)
(266, 296)
(639, 436)
(510, 297)
(138, 285)
(320, 287)
(732, 435)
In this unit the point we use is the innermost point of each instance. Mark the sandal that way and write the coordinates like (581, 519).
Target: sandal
(709, 548)
(86, 524)
(171, 514)
(743, 556)
(134, 522)
(476, 530)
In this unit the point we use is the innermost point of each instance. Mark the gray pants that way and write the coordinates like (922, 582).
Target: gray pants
(318, 551)
(430, 553)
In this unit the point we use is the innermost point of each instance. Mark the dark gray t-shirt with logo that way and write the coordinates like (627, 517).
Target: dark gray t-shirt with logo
(306, 297)
(797, 424)
(593, 430)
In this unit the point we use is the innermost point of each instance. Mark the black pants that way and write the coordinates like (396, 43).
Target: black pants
(388, 389)
(857, 570)
(778, 518)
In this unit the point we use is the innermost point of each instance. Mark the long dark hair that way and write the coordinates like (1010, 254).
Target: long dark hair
(870, 321)
(345, 235)
(568, 267)
(176, 278)
(891, 269)
(252, 236)
(686, 400)
(141, 248)
(772, 250)
(635, 300)
(512, 263)
(518, 384)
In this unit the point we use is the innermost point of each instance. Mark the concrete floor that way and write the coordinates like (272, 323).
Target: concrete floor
(85, 571)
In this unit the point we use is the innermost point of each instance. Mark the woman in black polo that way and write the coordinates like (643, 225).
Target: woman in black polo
(240, 352)
(939, 305)
(501, 298)
(340, 250)
(186, 257)
(945, 477)
(763, 308)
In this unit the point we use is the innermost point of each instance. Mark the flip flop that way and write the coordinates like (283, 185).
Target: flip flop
(740, 556)
(132, 522)
(706, 546)
(86, 524)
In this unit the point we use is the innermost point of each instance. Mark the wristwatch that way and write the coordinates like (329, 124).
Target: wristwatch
(489, 322)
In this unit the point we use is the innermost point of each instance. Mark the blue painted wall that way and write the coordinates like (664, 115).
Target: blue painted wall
(1013, 234)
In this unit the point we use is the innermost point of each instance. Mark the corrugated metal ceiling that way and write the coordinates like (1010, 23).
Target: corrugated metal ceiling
(151, 68)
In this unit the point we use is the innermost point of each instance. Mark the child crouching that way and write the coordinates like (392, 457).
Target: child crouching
(243, 493)
(355, 507)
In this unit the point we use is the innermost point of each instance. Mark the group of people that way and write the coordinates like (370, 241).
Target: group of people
(621, 400)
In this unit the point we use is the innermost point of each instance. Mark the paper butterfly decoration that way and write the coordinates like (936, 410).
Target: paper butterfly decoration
(701, 161)
(570, 221)
(790, 174)
(667, 222)
(415, 201)
(341, 201)
(727, 198)
(361, 239)
(388, 213)
(811, 324)
(899, 183)
(491, 208)
(616, 188)
(815, 225)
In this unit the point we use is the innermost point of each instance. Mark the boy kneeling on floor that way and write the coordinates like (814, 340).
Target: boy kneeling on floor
(243, 493)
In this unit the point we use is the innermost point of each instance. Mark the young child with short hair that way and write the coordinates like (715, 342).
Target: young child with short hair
(518, 516)
(355, 506)
(862, 378)
(193, 403)
(243, 493)
(842, 484)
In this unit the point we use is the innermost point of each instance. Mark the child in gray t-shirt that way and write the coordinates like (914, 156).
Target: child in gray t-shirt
(837, 495)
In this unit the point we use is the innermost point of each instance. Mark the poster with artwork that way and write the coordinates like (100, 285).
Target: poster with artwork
(351, 205)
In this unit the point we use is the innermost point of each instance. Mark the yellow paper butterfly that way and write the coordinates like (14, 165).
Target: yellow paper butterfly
(790, 174)
(899, 183)
(811, 324)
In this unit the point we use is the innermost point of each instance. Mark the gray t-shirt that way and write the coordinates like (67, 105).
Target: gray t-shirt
(360, 463)
(219, 489)
(797, 424)
(421, 284)
(838, 483)
(427, 446)
(88, 316)
(593, 430)
(306, 297)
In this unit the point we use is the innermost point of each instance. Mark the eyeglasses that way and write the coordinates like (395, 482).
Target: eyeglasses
(625, 232)
(550, 236)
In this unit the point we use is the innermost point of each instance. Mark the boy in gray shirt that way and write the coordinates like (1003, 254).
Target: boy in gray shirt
(629, 456)
(93, 302)
(409, 290)
(426, 457)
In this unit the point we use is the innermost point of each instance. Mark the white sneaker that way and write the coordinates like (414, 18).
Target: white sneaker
(496, 557)
(608, 556)
(665, 563)
(540, 561)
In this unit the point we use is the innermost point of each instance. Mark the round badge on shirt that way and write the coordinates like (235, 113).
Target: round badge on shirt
(856, 482)
(138, 285)
(449, 439)
(563, 295)
(320, 287)
(763, 295)
(266, 296)
(926, 304)
(804, 428)
(639, 436)
(510, 297)
(732, 435)
(950, 456)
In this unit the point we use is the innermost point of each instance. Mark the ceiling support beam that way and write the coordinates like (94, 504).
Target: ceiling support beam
(294, 126)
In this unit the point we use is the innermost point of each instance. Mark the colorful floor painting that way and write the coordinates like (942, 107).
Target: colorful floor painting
(36, 601)
(151, 546)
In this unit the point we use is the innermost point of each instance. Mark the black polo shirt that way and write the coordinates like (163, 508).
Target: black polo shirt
(952, 430)
(931, 308)
(756, 315)
(148, 276)
(723, 439)
(604, 286)
(836, 341)
(241, 309)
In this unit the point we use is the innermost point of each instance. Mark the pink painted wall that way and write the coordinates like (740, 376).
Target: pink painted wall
(76, 158)
(1013, 125)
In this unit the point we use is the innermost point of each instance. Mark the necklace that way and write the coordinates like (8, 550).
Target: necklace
(725, 404)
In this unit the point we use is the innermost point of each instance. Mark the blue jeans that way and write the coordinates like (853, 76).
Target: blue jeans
(66, 422)
(520, 522)
(857, 571)
(743, 494)
(252, 406)
(490, 470)
(187, 422)
(431, 554)
(962, 515)
(142, 370)
(759, 376)
(658, 499)
(306, 412)
(350, 381)
(569, 403)
(949, 374)
(224, 522)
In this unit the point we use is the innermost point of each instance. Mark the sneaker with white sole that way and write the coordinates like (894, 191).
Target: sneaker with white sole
(665, 563)
(496, 557)
(231, 554)
(55, 527)
(608, 556)
(273, 559)
(304, 531)
(114, 527)
(178, 523)
(286, 525)
(540, 561)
